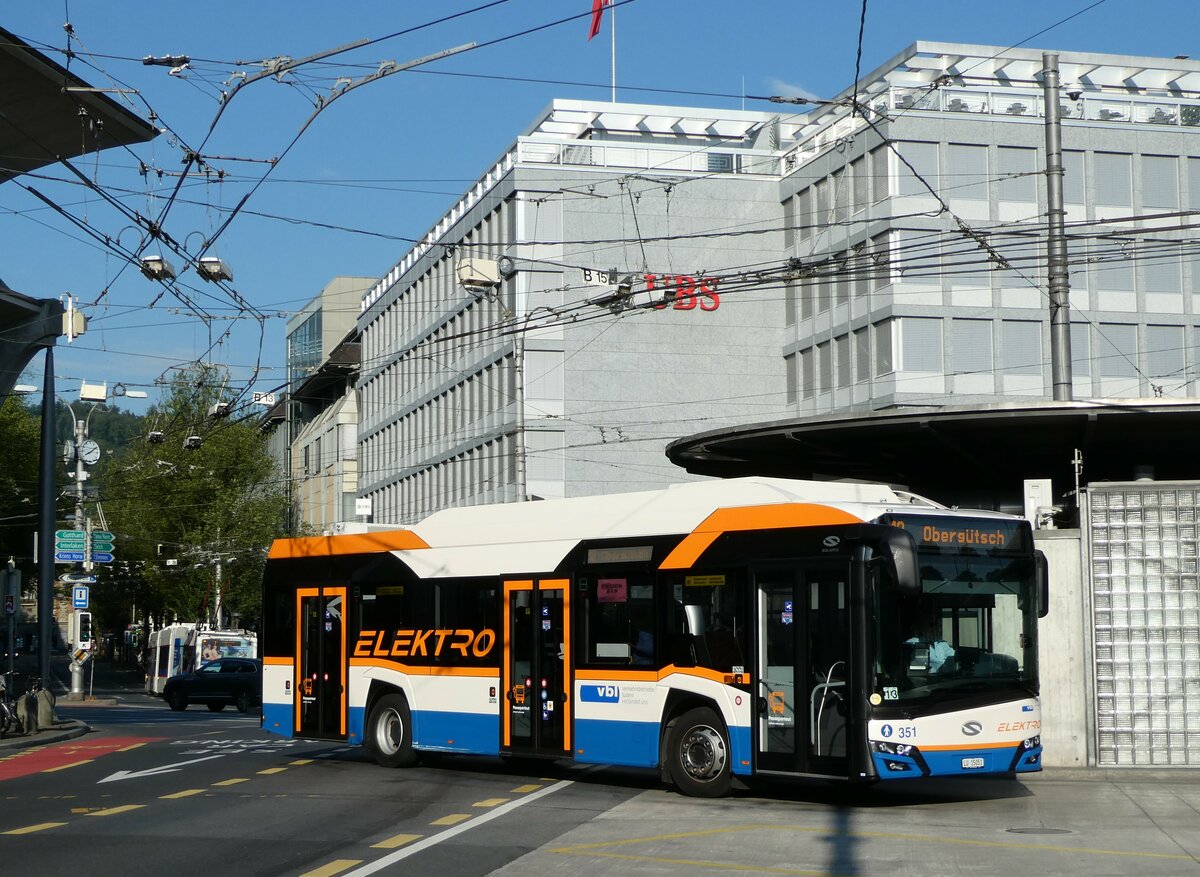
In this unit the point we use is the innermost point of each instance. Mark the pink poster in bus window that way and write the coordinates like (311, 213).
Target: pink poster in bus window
(612, 590)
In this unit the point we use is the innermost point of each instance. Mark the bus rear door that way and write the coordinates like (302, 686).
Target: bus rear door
(803, 669)
(536, 677)
(320, 684)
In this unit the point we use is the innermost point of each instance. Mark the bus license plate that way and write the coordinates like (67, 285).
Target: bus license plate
(972, 763)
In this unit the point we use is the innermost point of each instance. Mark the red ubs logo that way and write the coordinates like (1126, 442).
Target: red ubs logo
(685, 293)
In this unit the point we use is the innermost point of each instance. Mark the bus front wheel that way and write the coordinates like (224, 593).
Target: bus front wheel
(389, 732)
(698, 754)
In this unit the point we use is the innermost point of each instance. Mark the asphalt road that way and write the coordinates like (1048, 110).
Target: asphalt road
(152, 791)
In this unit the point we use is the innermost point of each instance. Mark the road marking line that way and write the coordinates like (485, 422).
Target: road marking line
(490, 802)
(301, 761)
(452, 819)
(398, 840)
(337, 866)
(528, 787)
(271, 770)
(113, 811)
(433, 840)
(65, 766)
(30, 829)
(186, 793)
(232, 782)
(134, 746)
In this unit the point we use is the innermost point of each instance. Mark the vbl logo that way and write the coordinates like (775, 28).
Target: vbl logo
(600, 693)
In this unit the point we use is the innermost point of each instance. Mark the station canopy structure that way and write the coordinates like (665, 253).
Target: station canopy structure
(43, 110)
(977, 455)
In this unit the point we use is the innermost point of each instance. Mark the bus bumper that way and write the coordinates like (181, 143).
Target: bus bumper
(899, 761)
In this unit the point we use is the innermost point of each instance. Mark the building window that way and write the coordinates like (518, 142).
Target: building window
(825, 367)
(1114, 184)
(879, 174)
(920, 173)
(789, 367)
(862, 354)
(789, 224)
(1074, 184)
(1164, 357)
(1022, 347)
(1116, 349)
(807, 374)
(803, 217)
(789, 303)
(1017, 168)
(860, 184)
(883, 348)
(966, 173)
(844, 376)
(881, 257)
(1160, 182)
(921, 349)
(971, 346)
(1161, 269)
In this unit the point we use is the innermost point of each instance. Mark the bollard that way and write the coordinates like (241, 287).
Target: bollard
(45, 709)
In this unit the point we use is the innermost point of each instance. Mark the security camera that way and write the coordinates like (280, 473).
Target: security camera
(1075, 94)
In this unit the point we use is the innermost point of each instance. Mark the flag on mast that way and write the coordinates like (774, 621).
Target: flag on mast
(597, 14)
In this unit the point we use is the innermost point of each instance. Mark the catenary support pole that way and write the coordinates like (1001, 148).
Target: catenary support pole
(1056, 238)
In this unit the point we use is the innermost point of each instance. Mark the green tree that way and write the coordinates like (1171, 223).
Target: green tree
(20, 437)
(205, 494)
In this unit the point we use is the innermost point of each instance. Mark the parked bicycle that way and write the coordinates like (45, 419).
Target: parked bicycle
(8, 710)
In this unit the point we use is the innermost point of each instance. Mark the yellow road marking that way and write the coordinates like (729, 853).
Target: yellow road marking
(113, 811)
(301, 761)
(232, 782)
(337, 866)
(134, 746)
(65, 766)
(30, 829)
(398, 840)
(186, 793)
(271, 770)
(529, 787)
(452, 819)
(490, 802)
(598, 848)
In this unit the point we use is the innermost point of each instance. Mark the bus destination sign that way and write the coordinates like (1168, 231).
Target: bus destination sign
(986, 534)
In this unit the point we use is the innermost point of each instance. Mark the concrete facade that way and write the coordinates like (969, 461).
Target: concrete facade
(544, 386)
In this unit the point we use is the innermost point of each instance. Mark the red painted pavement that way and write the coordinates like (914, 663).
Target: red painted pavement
(29, 761)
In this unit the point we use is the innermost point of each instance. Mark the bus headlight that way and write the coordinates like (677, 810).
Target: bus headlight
(1032, 742)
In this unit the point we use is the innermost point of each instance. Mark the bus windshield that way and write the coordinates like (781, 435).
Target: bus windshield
(971, 631)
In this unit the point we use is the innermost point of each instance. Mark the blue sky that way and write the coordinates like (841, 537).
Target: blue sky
(382, 163)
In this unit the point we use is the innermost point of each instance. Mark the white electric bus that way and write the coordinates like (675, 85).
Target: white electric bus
(713, 631)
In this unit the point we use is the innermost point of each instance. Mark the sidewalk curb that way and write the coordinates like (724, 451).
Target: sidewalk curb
(64, 730)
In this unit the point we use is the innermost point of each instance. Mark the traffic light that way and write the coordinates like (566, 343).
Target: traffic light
(84, 630)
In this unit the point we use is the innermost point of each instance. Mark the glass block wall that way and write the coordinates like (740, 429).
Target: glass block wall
(1146, 618)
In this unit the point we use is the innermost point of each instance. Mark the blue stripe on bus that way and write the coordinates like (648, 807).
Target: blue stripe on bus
(950, 762)
(635, 744)
(278, 719)
(474, 733)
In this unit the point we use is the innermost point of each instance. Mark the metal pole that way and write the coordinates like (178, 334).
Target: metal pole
(1056, 238)
(46, 517)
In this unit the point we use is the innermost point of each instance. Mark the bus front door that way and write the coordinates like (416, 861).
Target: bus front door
(803, 654)
(320, 684)
(536, 681)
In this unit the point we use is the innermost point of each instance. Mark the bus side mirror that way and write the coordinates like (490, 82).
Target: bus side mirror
(899, 547)
(1041, 573)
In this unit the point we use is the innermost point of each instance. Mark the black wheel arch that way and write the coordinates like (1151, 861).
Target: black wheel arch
(679, 702)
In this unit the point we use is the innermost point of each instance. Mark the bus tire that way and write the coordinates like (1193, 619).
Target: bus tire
(389, 732)
(698, 754)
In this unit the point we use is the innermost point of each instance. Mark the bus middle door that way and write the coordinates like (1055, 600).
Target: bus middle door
(803, 669)
(536, 677)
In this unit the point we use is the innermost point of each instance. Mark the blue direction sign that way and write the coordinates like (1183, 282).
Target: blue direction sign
(101, 557)
(68, 556)
(79, 596)
(76, 578)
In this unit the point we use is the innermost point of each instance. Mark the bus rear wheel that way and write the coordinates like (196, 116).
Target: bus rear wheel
(698, 754)
(389, 732)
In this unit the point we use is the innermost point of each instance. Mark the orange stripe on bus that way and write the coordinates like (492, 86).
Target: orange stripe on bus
(278, 662)
(755, 517)
(651, 675)
(353, 543)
